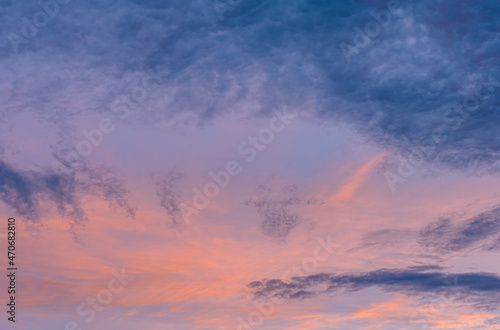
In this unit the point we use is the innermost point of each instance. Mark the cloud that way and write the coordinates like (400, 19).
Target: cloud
(352, 184)
(482, 290)
(385, 238)
(444, 236)
(495, 320)
(169, 195)
(259, 55)
(274, 210)
(27, 191)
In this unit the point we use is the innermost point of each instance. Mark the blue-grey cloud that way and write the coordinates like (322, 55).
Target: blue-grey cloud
(480, 289)
(278, 220)
(445, 235)
(254, 55)
(26, 191)
(495, 320)
(385, 238)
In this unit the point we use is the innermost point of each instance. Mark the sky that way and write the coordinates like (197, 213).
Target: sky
(250, 164)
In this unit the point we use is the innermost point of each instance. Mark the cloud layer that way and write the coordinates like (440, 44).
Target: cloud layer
(481, 289)
(253, 56)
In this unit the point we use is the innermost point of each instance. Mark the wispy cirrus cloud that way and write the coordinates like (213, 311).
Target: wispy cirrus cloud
(444, 235)
(169, 195)
(26, 191)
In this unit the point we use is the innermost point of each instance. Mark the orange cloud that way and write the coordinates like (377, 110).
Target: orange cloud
(354, 182)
